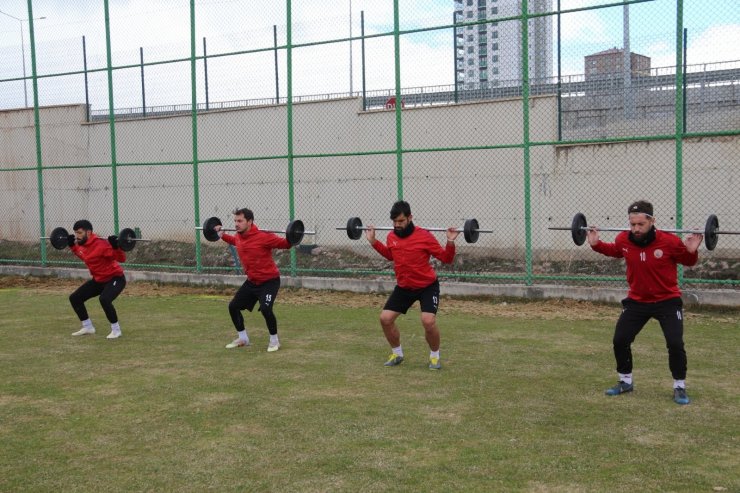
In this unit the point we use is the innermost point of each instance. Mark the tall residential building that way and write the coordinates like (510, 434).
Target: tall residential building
(490, 55)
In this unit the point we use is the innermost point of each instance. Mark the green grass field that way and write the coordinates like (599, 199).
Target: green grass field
(518, 406)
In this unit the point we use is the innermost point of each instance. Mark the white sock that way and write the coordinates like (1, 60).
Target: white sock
(115, 327)
(87, 324)
(625, 377)
(679, 384)
(434, 354)
(274, 340)
(243, 336)
(398, 351)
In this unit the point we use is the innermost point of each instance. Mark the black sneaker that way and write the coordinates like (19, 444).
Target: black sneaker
(679, 396)
(619, 388)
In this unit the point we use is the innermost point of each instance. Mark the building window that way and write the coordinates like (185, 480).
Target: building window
(494, 59)
(471, 73)
(482, 51)
(494, 10)
(482, 63)
(483, 75)
(469, 14)
(483, 39)
(470, 2)
(494, 35)
(494, 70)
(470, 38)
(471, 49)
(494, 47)
(471, 61)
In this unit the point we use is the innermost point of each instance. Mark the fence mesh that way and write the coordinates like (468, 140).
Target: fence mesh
(517, 113)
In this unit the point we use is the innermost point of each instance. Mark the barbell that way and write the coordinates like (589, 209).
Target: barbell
(293, 233)
(579, 229)
(471, 230)
(126, 239)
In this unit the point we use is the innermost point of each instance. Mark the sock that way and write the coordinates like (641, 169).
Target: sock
(625, 377)
(115, 327)
(274, 340)
(87, 324)
(434, 354)
(679, 384)
(398, 351)
(243, 336)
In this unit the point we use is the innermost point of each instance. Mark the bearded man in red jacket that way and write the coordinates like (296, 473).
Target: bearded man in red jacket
(254, 248)
(651, 256)
(102, 259)
(410, 248)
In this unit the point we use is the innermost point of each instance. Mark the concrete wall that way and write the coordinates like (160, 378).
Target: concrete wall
(156, 182)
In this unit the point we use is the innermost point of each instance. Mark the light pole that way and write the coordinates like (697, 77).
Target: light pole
(23, 51)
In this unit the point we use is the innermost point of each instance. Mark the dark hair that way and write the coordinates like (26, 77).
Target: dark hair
(641, 207)
(83, 224)
(247, 213)
(400, 207)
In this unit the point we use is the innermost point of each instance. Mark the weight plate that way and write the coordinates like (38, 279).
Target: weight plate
(710, 232)
(125, 241)
(294, 232)
(208, 231)
(353, 228)
(58, 238)
(577, 230)
(470, 230)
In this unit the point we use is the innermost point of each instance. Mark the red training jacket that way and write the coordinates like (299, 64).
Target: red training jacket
(101, 259)
(651, 271)
(410, 257)
(255, 247)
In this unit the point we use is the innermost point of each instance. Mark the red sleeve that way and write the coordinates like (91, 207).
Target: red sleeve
(608, 249)
(444, 255)
(380, 247)
(229, 239)
(275, 241)
(683, 256)
(120, 255)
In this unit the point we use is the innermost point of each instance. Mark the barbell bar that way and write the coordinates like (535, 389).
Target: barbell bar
(293, 233)
(126, 239)
(471, 229)
(579, 229)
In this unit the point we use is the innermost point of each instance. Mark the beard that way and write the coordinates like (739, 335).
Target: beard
(404, 232)
(645, 239)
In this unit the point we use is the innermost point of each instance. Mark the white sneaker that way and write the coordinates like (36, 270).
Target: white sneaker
(84, 331)
(237, 343)
(114, 334)
(273, 347)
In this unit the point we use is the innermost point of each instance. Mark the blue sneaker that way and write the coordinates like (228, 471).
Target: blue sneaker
(679, 396)
(394, 360)
(620, 388)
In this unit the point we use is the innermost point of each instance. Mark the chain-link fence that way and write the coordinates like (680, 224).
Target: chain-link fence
(517, 113)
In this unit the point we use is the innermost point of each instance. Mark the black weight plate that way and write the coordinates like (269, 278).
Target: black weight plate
(125, 241)
(208, 231)
(577, 230)
(710, 232)
(470, 230)
(294, 232)
(353, 228)
(58, 238)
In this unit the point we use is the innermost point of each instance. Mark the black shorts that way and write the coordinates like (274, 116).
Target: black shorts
(249, 294)
(401, 299)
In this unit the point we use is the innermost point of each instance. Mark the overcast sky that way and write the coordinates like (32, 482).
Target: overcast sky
(162, 28)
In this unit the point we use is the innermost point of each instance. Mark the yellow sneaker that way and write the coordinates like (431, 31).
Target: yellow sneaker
(393, 360)
(435, 364)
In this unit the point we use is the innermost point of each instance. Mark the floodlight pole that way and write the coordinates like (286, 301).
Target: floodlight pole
(23, 51)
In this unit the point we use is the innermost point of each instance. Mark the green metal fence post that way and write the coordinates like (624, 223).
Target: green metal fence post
(37, 125)
(291, 184)
(679, 124)
(111, 118)
(399, 101)
(194, 115)
(526, 144)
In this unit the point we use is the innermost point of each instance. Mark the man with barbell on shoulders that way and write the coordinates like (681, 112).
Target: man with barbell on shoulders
(254, 247)
(409, 248)
(651, 256)
(102, 260)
